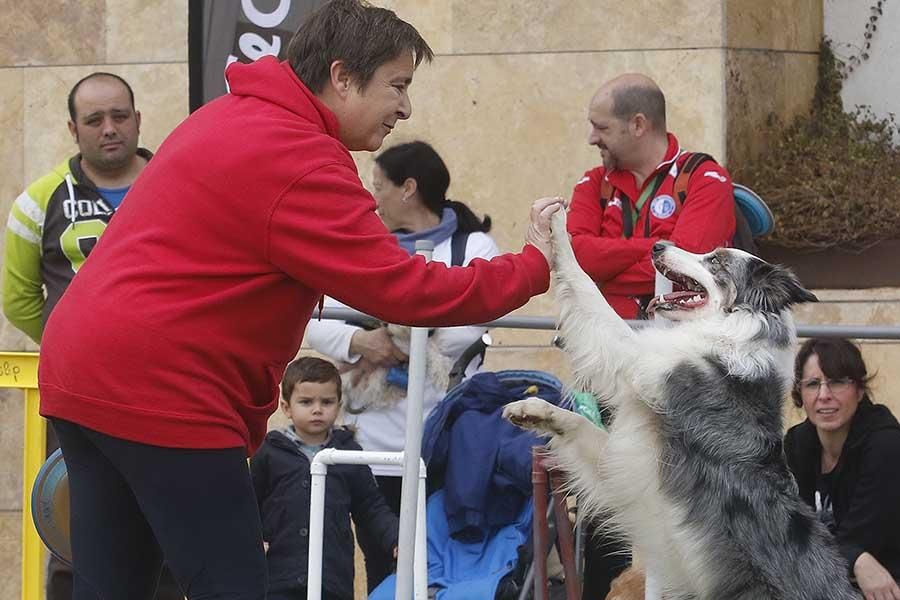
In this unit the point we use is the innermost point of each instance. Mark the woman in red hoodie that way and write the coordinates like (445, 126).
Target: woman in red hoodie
(160, 365)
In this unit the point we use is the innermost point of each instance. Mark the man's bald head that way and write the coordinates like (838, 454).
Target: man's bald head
(634, 93)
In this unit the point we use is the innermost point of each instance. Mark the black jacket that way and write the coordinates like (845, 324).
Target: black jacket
(866, 485)
(281, 479)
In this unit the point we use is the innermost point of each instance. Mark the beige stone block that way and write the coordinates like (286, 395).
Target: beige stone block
(52, 33)
(550, 360)
(506, 26)
(877, 307)
(774, 24)
(432, 18)
(759, 86)
(12, 110)
(504, 338)
(11, 553)
(144, 31)
(12, 404)
(513, 128)
(883, 361)
(160, 91)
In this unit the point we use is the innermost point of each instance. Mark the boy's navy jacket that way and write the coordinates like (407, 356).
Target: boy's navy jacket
(281, 479)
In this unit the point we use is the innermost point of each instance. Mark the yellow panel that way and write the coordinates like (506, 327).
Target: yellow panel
(18, 370)
(33, 552)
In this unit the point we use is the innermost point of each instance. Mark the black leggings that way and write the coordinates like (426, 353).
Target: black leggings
(133, 504)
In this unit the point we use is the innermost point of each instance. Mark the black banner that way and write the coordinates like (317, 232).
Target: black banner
(224, 31)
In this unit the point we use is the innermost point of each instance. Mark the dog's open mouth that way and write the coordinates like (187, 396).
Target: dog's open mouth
(689, 294)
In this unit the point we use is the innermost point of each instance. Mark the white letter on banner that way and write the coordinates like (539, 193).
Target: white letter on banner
(254, 47)
(267, 20)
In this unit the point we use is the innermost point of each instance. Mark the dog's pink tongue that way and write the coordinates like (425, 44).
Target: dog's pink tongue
(683, 298)
(676, 296)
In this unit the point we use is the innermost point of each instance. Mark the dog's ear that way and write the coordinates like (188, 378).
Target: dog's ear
(773, 288)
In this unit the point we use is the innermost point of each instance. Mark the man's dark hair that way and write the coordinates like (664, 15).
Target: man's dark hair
(839, 358)
(363, 36)
(633, 99)
(92, 76)
(309, 368)
(421, 163)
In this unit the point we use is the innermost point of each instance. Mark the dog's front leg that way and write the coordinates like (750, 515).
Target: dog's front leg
(601, 346)
(576, 444)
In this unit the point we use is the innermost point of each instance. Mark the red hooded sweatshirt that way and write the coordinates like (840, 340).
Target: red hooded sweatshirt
(177, 330)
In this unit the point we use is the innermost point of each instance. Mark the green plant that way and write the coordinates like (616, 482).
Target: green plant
(831, 178)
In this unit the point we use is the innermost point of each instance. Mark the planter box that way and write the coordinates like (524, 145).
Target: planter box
(878, 266)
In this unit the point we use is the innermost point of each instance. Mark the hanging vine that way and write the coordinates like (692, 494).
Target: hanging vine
(859, 54)
(832, 177)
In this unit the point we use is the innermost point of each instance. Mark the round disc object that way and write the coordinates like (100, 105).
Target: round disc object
(50, 506)
(759, 216)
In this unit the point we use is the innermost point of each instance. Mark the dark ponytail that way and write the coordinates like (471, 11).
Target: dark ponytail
(468, 221)
(420, 162)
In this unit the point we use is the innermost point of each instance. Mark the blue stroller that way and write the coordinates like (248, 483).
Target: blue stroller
(479, 510)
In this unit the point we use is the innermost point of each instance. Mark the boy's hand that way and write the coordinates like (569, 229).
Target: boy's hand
(396, 551)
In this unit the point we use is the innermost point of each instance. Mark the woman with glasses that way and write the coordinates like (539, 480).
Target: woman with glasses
(846, 459)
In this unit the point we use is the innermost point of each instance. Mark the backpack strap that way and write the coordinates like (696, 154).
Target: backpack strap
(458, 248)
(694, 160)
(606, 192)
(479, 346)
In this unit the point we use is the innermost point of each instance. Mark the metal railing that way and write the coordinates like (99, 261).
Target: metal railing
(19, 370)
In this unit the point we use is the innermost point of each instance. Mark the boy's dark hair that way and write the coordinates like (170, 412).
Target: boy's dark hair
(309, 368)
(75, 87)
(363, 36)
(839, 358)
(420, 162)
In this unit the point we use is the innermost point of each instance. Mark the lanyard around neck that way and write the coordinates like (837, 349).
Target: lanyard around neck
(632, 213)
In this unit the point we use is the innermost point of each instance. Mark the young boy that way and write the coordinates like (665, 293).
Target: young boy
(311, 399)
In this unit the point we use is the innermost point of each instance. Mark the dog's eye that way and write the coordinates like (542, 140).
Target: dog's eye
(714, 261)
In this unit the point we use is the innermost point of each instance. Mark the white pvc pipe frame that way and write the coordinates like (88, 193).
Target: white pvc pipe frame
(318, 470)
(412, 560)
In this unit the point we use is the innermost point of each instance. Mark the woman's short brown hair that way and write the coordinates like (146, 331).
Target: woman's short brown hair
(839, 358)
(363, 36)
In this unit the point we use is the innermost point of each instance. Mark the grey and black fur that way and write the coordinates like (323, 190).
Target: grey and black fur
(692, 470)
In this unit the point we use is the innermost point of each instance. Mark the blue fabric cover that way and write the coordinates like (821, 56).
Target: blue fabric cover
(483, 513)
(483, 460)
(464, 570)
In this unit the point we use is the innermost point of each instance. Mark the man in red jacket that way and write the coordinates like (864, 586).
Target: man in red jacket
(620, 209)
(612, 236)
(160, 364)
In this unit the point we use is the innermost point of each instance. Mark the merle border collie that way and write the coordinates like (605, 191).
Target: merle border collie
(691, 472)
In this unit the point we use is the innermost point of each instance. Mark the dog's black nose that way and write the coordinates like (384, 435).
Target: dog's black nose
(660, 247)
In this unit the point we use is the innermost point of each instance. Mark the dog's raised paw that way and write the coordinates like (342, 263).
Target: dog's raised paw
(533, 414)
(558, 221)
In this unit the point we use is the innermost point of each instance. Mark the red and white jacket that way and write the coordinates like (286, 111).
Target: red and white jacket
(177, 330)
(621, 267)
